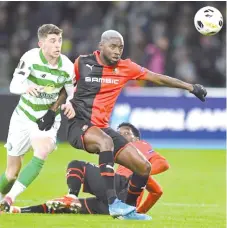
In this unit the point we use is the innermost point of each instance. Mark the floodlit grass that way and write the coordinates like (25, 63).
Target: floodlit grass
(194, 193)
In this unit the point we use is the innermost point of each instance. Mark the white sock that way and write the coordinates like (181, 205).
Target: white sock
(16, 190)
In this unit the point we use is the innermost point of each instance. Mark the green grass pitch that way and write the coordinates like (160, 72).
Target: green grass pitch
(194, 193)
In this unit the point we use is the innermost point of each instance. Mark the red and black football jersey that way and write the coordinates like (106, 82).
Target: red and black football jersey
(98, 86)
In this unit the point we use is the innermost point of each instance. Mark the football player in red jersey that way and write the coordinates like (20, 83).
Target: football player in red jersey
(89, 175)
(100, 78)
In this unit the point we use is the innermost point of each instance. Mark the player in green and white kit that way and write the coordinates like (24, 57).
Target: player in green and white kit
(39, 77)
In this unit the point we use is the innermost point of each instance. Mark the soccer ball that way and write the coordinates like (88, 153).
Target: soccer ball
(208, 21)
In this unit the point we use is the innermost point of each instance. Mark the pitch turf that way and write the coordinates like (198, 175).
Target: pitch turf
(194, 193)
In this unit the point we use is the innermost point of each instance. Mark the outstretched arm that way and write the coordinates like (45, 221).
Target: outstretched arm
(163, 80)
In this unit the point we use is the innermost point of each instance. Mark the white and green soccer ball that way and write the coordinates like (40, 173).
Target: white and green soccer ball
(208, 21)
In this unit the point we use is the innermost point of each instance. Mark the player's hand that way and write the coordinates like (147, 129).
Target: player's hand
(68, 110)
(199, 91)
(47, 121)
(33, 90)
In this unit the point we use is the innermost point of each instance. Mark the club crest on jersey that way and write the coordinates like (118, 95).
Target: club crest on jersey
(61, 79)
(115, 71)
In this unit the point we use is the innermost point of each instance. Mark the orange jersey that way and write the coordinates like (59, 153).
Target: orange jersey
(98, 86)
(145, 148)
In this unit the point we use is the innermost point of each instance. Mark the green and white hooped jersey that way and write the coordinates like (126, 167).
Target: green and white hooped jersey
(34, 69)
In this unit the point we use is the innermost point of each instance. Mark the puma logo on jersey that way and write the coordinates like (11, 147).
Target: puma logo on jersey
(102, 80)
(89, 66)
(42, 120)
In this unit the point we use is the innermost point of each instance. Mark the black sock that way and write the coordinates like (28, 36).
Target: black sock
(106, 165)
(42, 208)
(136, 186)
(75, 176)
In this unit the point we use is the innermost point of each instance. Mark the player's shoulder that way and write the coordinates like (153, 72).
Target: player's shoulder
(133, 67)
(66, 60)
(31, 54)
(142, 143)
(126, 62)
(86, 57)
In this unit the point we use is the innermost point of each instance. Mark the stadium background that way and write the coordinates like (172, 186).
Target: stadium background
(160, 36)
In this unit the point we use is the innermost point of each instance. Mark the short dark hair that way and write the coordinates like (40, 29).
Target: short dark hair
(135, 131)
(46, 29)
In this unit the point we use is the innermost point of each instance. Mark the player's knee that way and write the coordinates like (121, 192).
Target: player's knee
(106, 144)
(12, 174)
(76, 164)
(146, 169)
(42, 151)
(41, 154)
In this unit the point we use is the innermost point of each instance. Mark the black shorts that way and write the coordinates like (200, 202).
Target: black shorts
(93, 183)
(77, 128)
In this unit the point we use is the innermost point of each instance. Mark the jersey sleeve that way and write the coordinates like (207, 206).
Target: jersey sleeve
(146, 205)
(18, 84)
(137, 72)
(152, 186)
(23, 68)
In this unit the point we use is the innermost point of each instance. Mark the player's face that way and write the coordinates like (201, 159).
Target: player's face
(127, 133)
(112, 50)
(51, 45)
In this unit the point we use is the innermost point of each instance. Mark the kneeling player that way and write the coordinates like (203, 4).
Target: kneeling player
(79, 172)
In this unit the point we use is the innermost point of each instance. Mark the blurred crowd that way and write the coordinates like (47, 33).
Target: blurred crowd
(158, 35)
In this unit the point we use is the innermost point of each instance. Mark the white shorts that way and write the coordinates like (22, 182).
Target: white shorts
(22, 131)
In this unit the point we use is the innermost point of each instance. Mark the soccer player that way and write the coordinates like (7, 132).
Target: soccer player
(100, 78)
(79, 172)
(39, 77)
